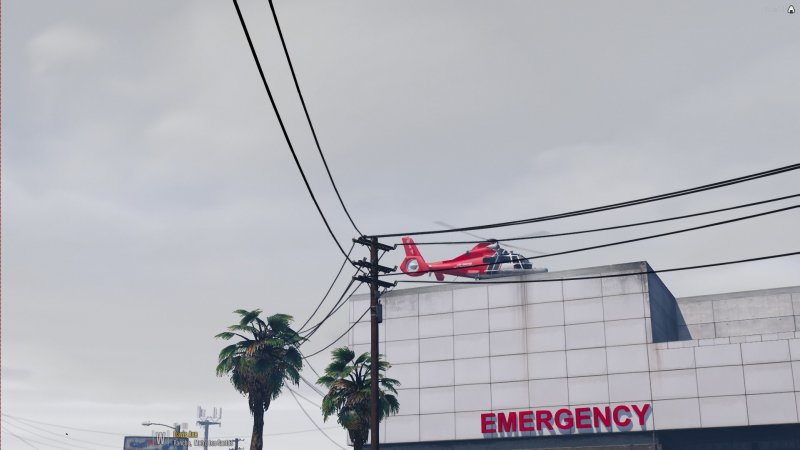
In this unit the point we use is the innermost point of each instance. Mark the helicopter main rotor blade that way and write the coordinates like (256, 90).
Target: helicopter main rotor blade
(538, 233)
(450, 227)
(537, 252)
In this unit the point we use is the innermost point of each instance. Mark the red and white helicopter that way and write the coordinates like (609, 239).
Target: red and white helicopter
(485, 260)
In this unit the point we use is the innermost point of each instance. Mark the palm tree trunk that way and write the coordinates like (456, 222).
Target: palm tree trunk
(256, 440)
(358, 437)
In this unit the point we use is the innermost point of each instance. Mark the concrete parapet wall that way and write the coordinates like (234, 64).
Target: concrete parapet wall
(741, 313)
(666, 318)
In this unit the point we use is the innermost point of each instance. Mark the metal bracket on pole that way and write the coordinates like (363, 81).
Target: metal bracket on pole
(363, 240)
(369, 280)
(368, 265)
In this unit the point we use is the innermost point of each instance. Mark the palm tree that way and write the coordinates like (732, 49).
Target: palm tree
(261, 363)
(348, 381)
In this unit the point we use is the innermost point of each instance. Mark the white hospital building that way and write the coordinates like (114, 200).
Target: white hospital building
(615, 363)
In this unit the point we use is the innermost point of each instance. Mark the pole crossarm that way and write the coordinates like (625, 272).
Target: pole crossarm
(370, 280)
(363, 240)
(367, 265)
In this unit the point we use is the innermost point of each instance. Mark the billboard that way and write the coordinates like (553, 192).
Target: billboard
(155, 443)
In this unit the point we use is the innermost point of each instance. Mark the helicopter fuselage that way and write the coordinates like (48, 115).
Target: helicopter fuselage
(485, 260)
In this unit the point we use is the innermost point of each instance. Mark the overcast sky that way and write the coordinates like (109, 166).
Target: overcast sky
(148, 192)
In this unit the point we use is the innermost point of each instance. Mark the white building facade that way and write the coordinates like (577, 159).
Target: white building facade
(611, 361)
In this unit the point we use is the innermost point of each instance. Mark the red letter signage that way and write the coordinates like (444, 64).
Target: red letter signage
(564, 420)
(487, 419)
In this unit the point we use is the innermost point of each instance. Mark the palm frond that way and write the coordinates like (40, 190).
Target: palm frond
(279, 322)
(248, 316)
(343, 354)
(326, 380)
(245, 328)
(228, 351)
(390, 405)
(362, 358)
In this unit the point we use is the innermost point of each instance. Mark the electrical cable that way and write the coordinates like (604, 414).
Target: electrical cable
(282, 433)
(626, 241)
(312, 368)
(340, 336)
(35, 441)
(616, 275)
(291, 391)
(306, 398)
(308, 117)
(58, 441)
(301, 431)
(338, 305)
(342, 301)
(283, 127)
(608, 207)
(21, 423)
(616, 227)
(21, 439)
(310, 331)
(335, 279)
(312, 386)
(23, 419)
(336, 310)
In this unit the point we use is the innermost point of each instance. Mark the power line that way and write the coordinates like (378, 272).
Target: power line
(615, 275)
(306, 357)
(312, 368)
(308, 117)
(283, 433)
(342, 299)
(58, 441)
(310, 330)
(49, 431)
(23, 419)
(580, 212)
(340, 336)
(306, 398)
(312, 386)
(312, 420)
(22, 439)
(338, 305)
(335, 279)
(283, 127)
(626, 241)
(336, 309)
(616, 227)
(301, 431)
(28, 440)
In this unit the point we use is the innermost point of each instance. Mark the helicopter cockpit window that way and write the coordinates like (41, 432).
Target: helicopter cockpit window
(526, 264)
(516, 262)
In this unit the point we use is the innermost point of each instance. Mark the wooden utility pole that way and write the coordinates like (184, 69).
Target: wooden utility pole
(374, 372)
(376, 317)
